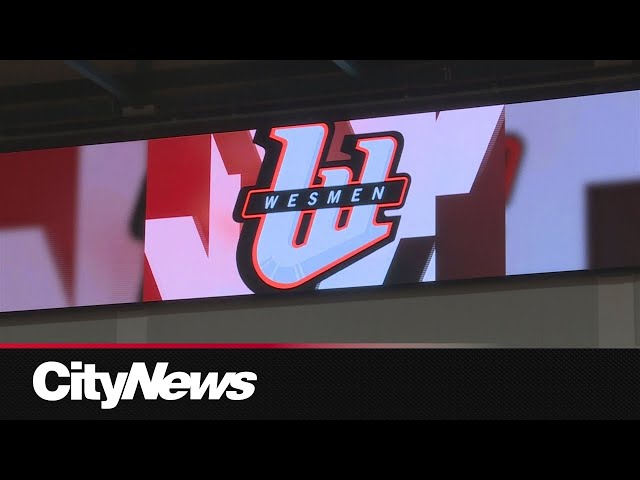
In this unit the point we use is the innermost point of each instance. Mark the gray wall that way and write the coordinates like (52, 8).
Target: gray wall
(574, 310)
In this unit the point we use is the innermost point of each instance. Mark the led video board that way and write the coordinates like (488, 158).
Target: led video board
(546, 186)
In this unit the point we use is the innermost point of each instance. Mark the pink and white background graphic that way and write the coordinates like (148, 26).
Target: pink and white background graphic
(65, 236)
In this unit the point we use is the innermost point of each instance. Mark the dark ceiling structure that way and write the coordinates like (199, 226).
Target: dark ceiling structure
(48, 103)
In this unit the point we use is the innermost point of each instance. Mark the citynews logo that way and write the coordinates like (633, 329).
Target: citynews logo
(83, 380)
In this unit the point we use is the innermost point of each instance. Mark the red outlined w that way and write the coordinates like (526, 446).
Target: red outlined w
(286, 249)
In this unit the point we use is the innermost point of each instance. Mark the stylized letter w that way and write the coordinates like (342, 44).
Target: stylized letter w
(273, 250)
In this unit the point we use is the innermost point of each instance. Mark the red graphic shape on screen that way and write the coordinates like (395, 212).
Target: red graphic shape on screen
(470, 239)
(178, 180)
(39, 188)
(239, 155)
(198, 206)
(341, 130)
(513, 151)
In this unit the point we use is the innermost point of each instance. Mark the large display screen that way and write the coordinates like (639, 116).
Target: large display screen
(546, 186)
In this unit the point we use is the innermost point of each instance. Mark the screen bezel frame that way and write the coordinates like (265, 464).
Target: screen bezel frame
(390, 108)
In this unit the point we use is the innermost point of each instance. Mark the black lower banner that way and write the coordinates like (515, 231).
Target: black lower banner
(317, 383)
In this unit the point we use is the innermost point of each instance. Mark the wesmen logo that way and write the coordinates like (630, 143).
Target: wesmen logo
(307, 217)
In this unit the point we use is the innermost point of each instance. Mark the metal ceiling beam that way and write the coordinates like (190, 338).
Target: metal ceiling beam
(104, 80)
(38, 116)
(349, 67)
(21, 133)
